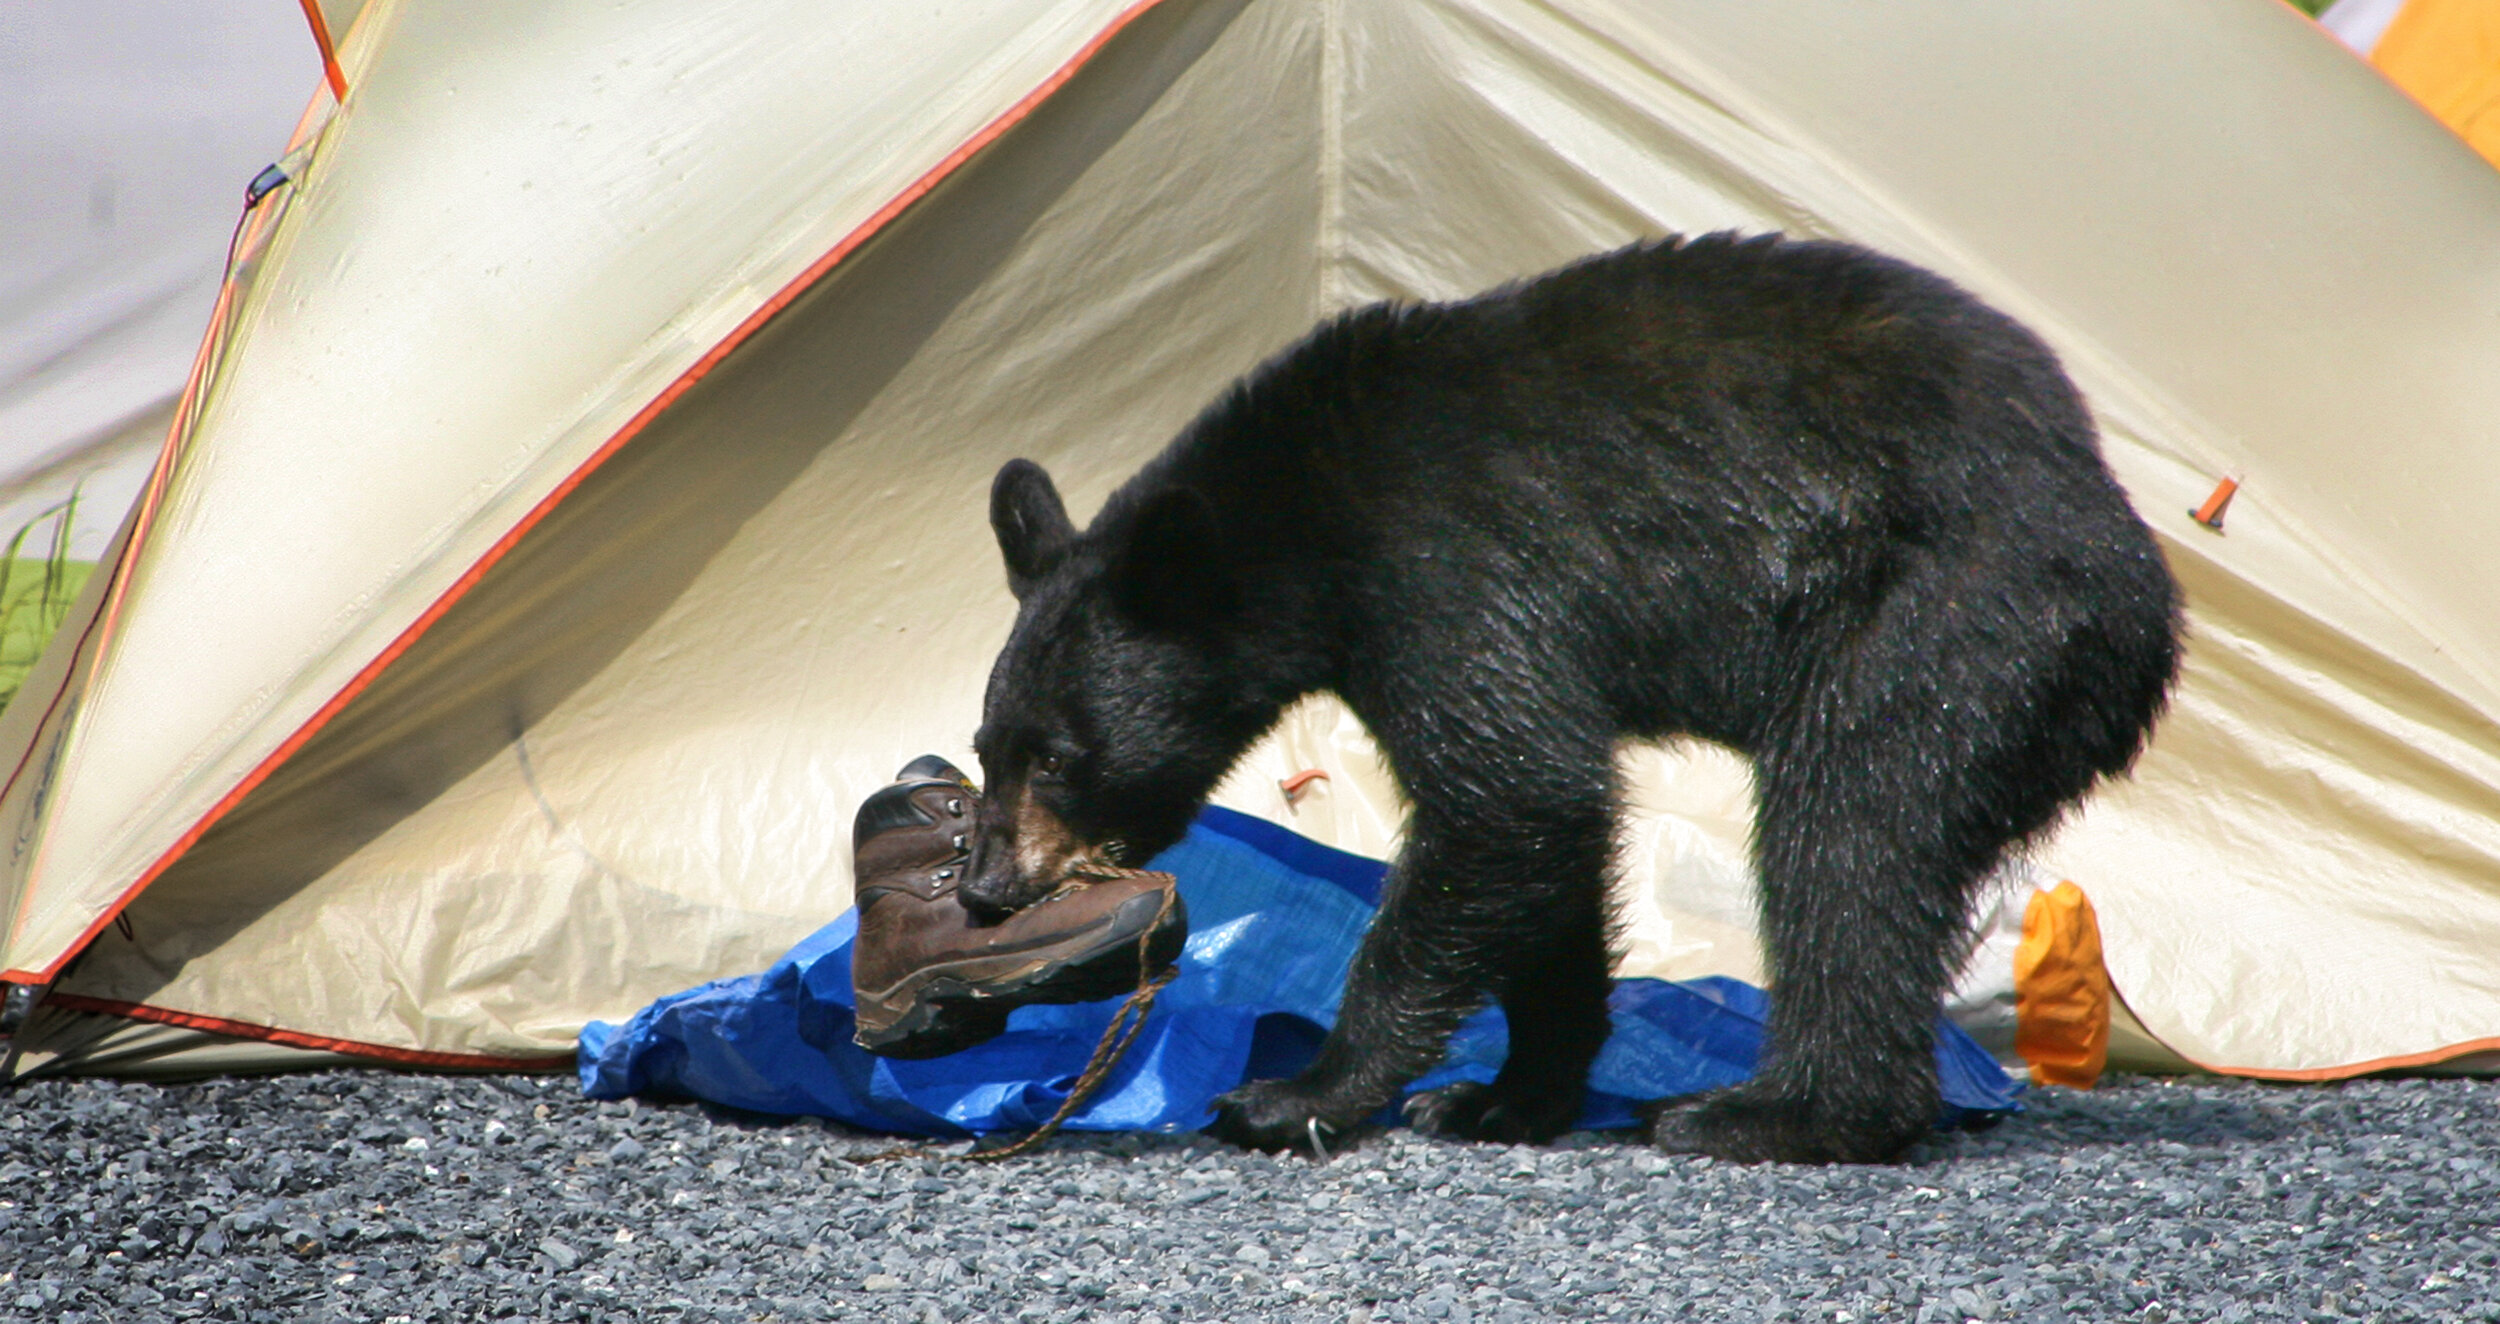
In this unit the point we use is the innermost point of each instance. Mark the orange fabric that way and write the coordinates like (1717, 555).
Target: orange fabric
(2061, 990)
(2446, 53)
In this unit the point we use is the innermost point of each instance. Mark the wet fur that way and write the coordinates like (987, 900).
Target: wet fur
(1796, 498)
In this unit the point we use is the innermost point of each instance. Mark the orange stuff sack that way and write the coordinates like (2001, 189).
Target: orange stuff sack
(2061, 990)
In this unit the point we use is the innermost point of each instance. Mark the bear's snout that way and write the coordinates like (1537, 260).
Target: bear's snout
(1021, 853)
(991, 897)
(992, 888)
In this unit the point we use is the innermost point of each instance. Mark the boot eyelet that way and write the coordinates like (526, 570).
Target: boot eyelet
(944, 874)
(955, 807)
(959, 841)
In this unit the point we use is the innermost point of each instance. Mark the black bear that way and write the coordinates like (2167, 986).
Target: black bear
(1809, 502)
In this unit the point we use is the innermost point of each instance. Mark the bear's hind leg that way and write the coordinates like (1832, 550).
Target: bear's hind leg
(1864, 897)
(1937, 736)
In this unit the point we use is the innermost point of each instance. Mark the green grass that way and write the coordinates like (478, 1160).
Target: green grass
(36, 591)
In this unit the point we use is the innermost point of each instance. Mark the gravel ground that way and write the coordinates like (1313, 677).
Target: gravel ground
(376, 1196)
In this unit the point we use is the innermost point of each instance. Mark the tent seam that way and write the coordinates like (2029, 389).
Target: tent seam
(1331, 294)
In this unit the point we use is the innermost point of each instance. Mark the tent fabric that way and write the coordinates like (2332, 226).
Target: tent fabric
(1275, 919)
(583, 507)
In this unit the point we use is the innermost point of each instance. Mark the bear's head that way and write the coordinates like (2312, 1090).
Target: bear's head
(1117, 703)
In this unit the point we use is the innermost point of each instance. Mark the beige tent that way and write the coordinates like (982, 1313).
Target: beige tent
(582, 502)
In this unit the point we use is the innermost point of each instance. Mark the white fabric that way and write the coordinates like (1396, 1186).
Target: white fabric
(626, 760)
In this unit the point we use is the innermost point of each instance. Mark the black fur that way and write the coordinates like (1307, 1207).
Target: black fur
(1796, 498)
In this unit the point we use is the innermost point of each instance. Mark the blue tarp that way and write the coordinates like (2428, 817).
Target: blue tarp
(1274, 921)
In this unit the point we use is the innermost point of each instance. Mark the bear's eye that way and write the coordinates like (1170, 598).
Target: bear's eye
(1049, 764)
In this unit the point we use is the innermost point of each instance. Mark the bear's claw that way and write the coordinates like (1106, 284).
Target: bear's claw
(1472, 1111)
(1274, 1116)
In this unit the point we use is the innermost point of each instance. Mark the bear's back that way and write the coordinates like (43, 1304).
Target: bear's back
(1719, 395)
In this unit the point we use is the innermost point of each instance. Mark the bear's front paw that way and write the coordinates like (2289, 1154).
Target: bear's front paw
(1276, 1115)
(1470, 1111)
(1743, 1125)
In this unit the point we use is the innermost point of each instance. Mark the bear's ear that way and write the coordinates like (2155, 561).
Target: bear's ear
(1031, 522)
(1174, 571)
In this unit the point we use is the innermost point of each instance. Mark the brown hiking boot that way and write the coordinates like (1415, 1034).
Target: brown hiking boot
(929, 980)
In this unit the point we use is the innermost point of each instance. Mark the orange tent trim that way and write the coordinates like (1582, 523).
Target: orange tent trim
(330, 71)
